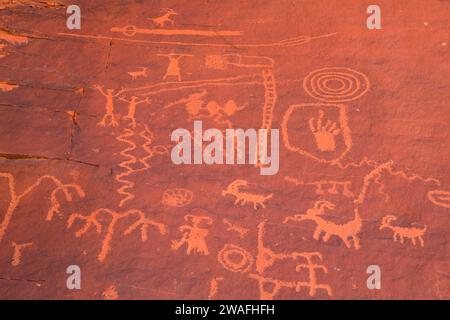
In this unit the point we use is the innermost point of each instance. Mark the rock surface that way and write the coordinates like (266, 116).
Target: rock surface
(86, 176)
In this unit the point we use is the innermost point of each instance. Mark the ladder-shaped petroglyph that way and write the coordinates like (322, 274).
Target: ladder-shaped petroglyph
(347, 232)
(94, 220)
(15, 198)
(402, 233)
(323, 187)
(177, 197)
(243, 198)
(17, 255)
(194, 235)
(236, 259)
(131, 161)
(139, 73)
(109, 118)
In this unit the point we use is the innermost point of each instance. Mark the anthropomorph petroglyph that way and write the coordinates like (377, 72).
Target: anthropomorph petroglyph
(109, 94)
(400, 233)
(93, 221)
(194, 236)
(132, 104)
(347, 232)
(16, 198)
(173, 69)
(234, 189)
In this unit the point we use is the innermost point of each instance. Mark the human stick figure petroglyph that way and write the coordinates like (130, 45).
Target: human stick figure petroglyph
(347, 232)
(194, 236)
(400, 233)
(17, 255)
(140, 73)
(92, 220)
(237, 259)
(173, 69)
(243, 198)
(109, 94)
(15, 198)
(132, 104)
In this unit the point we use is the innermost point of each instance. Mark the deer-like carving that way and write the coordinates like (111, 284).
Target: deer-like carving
(161, 21)
(347, 232)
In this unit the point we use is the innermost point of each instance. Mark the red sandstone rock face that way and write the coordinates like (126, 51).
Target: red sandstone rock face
(86, 176)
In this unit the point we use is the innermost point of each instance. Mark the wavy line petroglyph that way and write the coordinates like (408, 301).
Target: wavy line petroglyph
(130, 160)
(15, 198)
(92, 220)
(440, 198)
